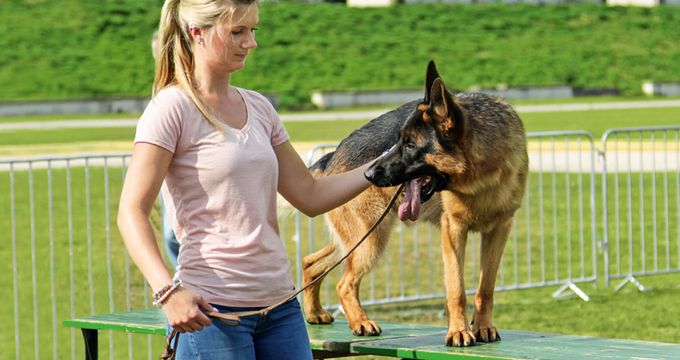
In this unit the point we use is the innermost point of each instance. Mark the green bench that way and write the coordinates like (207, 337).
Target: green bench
(405, 341)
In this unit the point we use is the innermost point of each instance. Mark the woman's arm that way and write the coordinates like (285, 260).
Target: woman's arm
(143, 180)
(314, 196)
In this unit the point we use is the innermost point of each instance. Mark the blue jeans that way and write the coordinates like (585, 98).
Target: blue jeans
(280, 335)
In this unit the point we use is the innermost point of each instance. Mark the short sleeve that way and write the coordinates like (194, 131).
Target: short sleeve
(279, 133)
(160, 124)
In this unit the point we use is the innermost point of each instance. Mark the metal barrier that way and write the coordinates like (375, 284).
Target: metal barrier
(553, 242)
(562, 187)
(66, 257)
(641, 179)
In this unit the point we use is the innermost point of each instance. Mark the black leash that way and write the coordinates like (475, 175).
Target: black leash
(234, 318)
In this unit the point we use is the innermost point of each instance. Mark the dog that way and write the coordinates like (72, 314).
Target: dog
(464, 160)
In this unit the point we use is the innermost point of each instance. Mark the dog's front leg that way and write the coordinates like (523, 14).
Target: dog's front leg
(493, 244)
(454, 238)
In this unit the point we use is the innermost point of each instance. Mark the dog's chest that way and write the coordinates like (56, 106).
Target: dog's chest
(431, 210)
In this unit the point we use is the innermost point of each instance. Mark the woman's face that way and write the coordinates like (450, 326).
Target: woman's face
(229, 44)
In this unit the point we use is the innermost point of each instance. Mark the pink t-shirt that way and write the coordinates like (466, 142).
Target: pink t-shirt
(220, 191)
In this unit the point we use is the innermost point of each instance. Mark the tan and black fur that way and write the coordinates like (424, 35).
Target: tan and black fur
(464, 157)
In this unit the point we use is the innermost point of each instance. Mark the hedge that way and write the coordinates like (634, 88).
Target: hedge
(86, 49)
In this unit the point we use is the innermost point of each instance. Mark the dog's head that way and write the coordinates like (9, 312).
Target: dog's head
(427, 151)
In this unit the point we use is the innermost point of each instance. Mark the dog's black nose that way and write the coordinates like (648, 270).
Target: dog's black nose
(374, 173)
(378, 176)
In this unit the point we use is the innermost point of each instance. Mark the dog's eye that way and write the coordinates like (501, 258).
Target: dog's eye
(408, 143)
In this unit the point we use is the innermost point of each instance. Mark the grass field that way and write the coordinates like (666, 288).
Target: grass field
(97, 250)
(99, 50)
(557, 221)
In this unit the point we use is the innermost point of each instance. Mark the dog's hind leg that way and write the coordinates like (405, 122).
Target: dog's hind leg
(313, 265)
(493, 244)
(358, 220)
(358, 264)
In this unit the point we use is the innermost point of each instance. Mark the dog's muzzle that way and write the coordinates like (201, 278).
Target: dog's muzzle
(432, 180)
(433, 183)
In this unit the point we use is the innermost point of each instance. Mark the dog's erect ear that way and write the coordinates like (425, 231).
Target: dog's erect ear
(430, 76)
(444, 107)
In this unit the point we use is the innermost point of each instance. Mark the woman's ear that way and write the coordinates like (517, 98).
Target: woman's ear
(196, 34)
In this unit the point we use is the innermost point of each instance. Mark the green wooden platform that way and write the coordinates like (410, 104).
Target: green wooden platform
(147, 321)
(406, 341)
(336, 339)
(521, 345)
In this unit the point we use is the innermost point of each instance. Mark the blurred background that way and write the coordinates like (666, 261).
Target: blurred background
(70, 49)
(597, 84)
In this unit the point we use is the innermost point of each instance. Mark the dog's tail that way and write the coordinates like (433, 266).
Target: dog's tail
(319, 167)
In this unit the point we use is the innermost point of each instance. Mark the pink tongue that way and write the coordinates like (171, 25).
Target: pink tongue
(410, 207)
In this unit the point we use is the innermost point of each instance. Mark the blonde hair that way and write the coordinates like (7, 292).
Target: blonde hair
(175, 62)
(154, 45)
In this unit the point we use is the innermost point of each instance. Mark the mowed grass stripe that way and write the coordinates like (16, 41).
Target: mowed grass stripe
(594, 121)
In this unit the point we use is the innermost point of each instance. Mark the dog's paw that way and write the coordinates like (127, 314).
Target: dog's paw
(320, 317)
(365, 328)
(487, 334)
(460, 338)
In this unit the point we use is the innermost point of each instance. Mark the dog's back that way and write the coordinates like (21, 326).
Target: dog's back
(365, 143)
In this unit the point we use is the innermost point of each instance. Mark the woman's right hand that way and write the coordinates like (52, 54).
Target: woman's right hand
(186, 310)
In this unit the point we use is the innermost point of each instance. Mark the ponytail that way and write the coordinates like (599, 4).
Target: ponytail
(175, 62)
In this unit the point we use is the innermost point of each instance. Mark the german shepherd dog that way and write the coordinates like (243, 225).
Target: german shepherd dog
(464, 158)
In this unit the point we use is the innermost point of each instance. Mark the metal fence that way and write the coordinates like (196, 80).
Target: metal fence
(63, 256)
(553, 240)
(640, 203)
(559, 210)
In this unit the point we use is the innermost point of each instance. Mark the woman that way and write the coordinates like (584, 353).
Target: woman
(221, 153)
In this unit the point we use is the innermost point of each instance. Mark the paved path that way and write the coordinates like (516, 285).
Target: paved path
(344, 115)
(543, 161)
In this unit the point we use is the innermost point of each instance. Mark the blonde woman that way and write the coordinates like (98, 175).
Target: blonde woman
(221, 153)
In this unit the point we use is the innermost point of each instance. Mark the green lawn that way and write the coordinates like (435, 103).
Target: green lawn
(84, 49)
(112, 116)
(597, 121)
(332, 131)
(552, 225)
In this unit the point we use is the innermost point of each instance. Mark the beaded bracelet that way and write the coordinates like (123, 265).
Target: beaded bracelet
(163, 293)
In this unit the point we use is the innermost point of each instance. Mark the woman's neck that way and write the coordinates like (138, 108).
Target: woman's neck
(209, 83)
